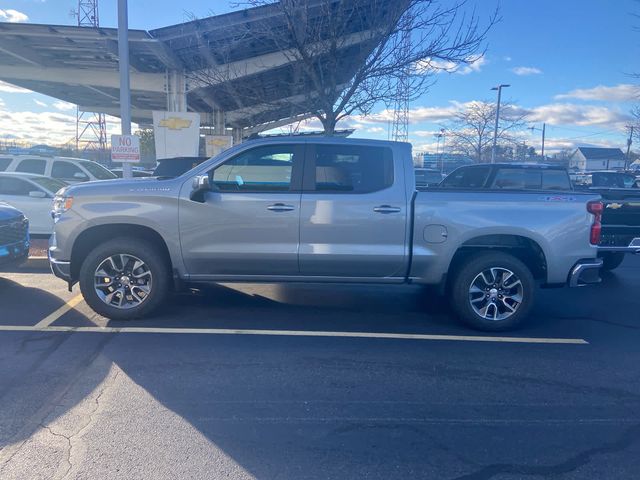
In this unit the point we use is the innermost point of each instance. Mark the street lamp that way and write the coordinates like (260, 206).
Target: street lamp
(495, 131)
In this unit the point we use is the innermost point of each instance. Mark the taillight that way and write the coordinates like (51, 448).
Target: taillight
(596, 209)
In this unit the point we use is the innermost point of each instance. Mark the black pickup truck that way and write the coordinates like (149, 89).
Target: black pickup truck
(14, 237)
(620, 194)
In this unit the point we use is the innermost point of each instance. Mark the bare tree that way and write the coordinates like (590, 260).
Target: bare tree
(635, 113)
(472, 130)
(347, 56)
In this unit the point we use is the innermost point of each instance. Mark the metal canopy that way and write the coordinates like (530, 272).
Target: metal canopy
(80, 65)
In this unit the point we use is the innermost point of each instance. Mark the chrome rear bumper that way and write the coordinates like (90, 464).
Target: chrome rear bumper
(585, 272)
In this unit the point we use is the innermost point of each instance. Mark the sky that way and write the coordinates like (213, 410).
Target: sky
(568, 63)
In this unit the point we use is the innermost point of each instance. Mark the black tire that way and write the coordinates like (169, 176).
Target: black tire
(153, 259)
(612, 260)
(463, 280)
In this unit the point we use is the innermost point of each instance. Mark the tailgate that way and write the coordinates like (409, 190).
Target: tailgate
(621, 218)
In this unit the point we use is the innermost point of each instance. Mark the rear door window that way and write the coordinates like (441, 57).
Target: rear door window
(556, 180)
(350, 169)
(32, 165)
(517, 179)
(67, 171)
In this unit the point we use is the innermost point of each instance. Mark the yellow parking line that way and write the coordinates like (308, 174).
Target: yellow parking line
(49, 319)
(299, 333)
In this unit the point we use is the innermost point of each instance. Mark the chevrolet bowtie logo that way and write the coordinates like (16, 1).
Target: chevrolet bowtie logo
(614, 206)
(175, 123)
(218, 142)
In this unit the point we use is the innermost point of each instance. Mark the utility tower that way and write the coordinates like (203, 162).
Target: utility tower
(400, 128)
(91, 128)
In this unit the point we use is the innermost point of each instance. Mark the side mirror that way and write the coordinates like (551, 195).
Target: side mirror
(80, 176)
(201, 185)
(201, 182)
(37, 194)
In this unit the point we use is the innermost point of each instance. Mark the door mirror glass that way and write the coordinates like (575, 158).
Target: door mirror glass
(37, 194)
(201, 184)
(80, 176)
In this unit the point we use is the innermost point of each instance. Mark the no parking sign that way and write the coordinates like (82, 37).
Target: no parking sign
(125, 148)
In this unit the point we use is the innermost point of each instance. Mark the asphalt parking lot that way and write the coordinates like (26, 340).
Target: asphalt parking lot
(299, 381)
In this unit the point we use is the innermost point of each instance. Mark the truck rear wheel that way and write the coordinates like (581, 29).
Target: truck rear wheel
(124, 278)
(493, 291)
(611, 261)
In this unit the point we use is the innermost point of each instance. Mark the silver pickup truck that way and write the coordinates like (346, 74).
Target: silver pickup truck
(297, 209)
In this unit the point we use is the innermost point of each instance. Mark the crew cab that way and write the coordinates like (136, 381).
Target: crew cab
(296, 209)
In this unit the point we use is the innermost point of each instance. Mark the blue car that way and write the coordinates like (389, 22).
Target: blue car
(14, 237)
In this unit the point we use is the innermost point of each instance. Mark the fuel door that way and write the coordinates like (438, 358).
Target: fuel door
(435, 234)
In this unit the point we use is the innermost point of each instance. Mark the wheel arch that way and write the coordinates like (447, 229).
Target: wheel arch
(525, 249)
(94, 236)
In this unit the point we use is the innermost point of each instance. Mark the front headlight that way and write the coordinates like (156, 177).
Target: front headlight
(61, 203)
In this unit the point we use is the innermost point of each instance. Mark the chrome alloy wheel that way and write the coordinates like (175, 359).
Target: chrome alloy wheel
(123, 281)
(495, 294)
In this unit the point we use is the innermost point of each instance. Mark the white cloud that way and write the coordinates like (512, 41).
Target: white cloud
(507, 58)
(53, 128)
(39, 103)
(443, 66)
(523, 71)
(620, 93)
(13, 16)
(64, 106)
(579, 115)
(426, 133)
(8, 88)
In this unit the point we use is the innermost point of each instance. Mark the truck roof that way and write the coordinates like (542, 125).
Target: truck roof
(545, 166)
(335, 140)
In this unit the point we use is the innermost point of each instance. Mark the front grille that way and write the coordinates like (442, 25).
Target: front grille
(14, 231)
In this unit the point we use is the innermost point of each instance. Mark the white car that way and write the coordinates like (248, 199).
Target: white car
(32, 195)
(67, 169)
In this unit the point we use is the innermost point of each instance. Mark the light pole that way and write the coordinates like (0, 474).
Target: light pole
(125, 87)
(495, 131)
(444, 141)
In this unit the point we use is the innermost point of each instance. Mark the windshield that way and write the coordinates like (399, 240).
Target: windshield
(50, 184)
(98, 170)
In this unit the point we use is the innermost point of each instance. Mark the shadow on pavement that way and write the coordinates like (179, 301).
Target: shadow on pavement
(332, 408)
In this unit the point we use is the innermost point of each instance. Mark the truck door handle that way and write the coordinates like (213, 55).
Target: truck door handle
(386, 209)
(280, 207)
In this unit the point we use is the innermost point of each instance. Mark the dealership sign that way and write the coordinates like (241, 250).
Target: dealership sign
(125, 148)
(177, 134)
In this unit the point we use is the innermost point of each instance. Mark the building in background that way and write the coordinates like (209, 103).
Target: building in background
(588, 159)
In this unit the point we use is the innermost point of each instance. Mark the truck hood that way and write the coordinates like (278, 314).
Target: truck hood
(119, 187)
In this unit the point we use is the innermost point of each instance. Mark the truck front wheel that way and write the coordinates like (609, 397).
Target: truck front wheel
(493, 291)
(124, 278)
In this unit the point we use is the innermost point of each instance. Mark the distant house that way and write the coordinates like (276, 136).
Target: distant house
(592, 158)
